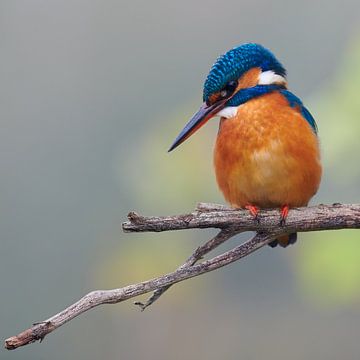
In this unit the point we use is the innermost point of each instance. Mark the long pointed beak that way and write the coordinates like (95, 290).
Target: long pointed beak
(205, 113)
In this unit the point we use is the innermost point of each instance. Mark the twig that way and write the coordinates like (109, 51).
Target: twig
(39, 330)
(197, 255)
(230, 222)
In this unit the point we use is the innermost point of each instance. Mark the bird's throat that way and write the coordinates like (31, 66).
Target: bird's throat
(228, 112)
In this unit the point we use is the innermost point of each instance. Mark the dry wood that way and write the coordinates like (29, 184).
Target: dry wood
(230, 222)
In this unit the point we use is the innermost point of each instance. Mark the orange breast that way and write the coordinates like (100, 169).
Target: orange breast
(267, 155)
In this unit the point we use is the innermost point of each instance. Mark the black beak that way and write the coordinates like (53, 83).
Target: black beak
(205, 113)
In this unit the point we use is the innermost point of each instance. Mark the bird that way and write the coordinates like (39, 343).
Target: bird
(267, 152)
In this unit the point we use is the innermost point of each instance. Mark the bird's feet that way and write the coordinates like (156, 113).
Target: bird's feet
(284, 214)
(254, 211)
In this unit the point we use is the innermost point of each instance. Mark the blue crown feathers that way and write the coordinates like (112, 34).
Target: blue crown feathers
(231, 65)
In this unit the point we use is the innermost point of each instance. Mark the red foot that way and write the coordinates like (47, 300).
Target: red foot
(284, 214)
(254, 210)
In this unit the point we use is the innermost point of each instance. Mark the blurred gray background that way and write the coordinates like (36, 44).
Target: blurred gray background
(92, 95)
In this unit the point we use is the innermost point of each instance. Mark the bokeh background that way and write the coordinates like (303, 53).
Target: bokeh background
(92, 94)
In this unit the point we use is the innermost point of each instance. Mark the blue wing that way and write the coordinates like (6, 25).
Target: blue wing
(294, 101)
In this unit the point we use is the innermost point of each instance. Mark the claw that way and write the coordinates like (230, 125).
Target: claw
(284, 214)
(254, 211)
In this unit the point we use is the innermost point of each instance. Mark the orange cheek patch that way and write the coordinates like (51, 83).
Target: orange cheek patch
(249, 79)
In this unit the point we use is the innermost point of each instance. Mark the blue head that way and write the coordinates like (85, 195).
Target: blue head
(239, 75)
(232, 65)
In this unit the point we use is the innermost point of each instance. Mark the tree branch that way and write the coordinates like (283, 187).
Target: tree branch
(230, 221)
(197, 255)
(314, 218)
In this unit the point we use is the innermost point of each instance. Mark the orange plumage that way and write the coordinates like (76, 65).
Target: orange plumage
(267, 155)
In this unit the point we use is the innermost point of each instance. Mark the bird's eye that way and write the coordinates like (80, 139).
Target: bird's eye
(228, 89)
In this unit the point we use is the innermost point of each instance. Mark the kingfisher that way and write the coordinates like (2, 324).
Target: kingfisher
(267, 150)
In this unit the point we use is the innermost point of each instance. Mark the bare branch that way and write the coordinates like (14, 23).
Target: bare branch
(314, 218)
(183, 220)
(231, 222)
(39, 330)
(197, 255)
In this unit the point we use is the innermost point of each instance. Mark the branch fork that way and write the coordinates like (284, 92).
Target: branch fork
(230, 222)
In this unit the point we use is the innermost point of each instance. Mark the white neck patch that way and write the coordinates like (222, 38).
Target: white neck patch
(269, 77)
(265, 78)
(228, 112)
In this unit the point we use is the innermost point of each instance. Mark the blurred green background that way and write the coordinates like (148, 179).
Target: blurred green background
(92, 95)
